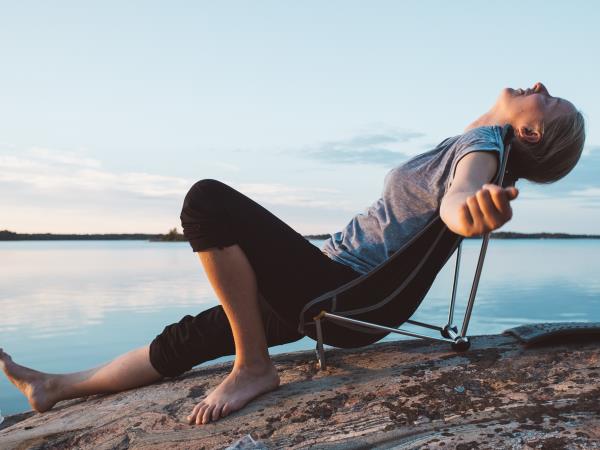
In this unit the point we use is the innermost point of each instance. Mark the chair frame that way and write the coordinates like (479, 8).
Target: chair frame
(449, 332)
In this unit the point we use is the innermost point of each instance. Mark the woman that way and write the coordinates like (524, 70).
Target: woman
(263, 272)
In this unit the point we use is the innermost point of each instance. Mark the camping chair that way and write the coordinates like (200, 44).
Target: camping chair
(401, 283)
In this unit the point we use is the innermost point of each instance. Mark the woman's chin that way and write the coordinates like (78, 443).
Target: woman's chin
(505, 98)
(508, 92)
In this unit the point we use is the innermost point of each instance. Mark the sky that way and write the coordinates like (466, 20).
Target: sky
(110, 111)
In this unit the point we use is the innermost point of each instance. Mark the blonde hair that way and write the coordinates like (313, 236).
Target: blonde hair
(555, 155)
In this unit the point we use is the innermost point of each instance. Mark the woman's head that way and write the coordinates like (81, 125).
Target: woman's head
(550, 133)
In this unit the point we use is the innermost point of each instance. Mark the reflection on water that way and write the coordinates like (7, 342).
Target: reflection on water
(52, 289)
(68, 305)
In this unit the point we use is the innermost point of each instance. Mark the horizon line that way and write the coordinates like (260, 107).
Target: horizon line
(6, 233)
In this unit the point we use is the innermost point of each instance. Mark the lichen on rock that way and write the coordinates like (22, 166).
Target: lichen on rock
(415, 393)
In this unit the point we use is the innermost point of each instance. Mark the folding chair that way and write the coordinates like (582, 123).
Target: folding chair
(400, 283)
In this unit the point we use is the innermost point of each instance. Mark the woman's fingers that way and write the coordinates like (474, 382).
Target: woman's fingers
(465, 215)
(498, 196)
(475, 211)
(494, 204)
(501, 198)
(492, 216)
(512, 192)
(487, 209)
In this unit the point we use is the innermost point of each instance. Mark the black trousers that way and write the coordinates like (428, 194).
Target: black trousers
(290, 271)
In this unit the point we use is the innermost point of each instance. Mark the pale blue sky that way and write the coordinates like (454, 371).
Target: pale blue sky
(110, 110)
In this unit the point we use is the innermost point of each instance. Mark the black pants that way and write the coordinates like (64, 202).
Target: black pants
(290, 271)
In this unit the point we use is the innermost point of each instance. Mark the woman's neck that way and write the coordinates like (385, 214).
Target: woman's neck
(488, 119)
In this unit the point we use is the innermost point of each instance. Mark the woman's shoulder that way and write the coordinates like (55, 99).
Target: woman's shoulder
(484, 138)
(487, 134)
(491, 134)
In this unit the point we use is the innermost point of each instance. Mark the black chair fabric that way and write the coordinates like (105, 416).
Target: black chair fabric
(388, 295)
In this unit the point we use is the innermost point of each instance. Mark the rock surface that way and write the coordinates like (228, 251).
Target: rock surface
(403, 395)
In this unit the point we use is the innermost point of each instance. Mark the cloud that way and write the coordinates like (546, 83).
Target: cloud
(580, 190)
(369, 148)
(62, 157)
(586, 193)
(68, 175)
(588, 197)
(585, 173)
(309, 197)
(582, 182)
(49, 172)
(591, 149)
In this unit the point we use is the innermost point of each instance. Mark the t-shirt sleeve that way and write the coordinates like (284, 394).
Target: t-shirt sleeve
(484, 139)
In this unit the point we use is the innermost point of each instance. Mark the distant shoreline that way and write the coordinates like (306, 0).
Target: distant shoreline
(6, 235)
(507, 235)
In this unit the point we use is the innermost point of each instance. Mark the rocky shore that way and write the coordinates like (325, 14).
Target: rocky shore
(401, 395)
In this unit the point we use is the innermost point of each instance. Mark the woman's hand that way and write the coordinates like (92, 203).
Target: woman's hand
(470, 207)
(486, 210)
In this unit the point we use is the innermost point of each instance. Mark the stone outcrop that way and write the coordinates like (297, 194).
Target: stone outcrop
(405, 394)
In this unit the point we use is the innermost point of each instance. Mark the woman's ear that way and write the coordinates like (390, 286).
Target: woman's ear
(529, 134)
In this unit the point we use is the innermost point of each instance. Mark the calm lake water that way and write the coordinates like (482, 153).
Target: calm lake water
(70, 305)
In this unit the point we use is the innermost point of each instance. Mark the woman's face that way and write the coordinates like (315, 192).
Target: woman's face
(532, 106)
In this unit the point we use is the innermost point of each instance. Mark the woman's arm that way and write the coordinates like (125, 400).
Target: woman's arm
(471, 206)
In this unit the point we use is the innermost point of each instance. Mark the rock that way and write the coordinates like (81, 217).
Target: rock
(402, 394)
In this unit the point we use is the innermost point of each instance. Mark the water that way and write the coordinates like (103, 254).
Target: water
(70, 305)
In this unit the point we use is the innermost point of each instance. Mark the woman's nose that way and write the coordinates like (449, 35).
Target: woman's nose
(539, 87)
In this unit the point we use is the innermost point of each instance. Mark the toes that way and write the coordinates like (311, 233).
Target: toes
(207, 413)
(201, 414)
(192, 417)
(216, 414)
(225, 411)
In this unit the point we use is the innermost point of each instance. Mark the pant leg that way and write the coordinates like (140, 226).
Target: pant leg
(290, 271)
(194, 340)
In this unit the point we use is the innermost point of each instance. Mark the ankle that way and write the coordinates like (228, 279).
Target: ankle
(257, 366)
(53, 387)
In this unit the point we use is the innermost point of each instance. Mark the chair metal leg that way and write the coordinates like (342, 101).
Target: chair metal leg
(461, 343)
(454, 285)
(320, 350)
(342, 319)
(469, 309)
(450, 325)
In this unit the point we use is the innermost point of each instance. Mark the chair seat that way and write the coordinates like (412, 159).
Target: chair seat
(389, 294)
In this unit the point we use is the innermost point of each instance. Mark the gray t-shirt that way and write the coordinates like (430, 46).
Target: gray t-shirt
(412, 194)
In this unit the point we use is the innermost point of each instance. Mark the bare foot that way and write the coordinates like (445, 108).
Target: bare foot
(234, 392)
(36, 386)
